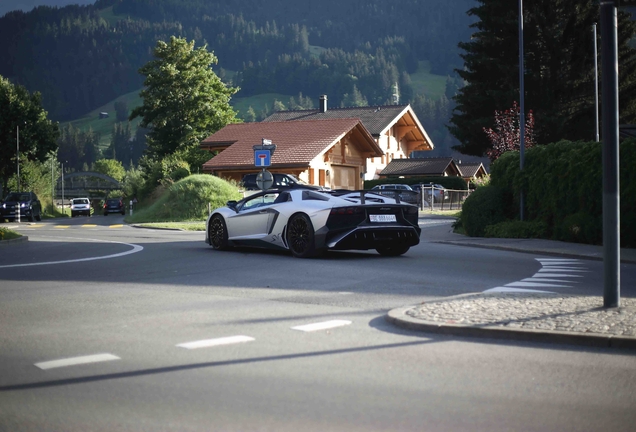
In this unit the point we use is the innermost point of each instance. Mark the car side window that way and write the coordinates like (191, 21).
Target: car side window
(259, 201)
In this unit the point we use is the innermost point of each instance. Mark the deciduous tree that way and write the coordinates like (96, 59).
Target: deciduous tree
(37, 134)
(184, 101)
(506, 134)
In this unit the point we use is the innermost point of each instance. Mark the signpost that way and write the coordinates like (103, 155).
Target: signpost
(263, 158)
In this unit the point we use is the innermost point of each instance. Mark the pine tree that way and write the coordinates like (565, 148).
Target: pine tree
(559, 70)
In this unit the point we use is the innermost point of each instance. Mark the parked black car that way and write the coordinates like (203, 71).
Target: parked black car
(280, 181)
(27, 203)
(403, 191)
(114, 205)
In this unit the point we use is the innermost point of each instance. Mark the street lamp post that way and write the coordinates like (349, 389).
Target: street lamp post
(17, 134)
(522, 121)
(611, 197)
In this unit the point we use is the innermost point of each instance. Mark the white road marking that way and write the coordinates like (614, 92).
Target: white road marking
(215, 342)
(542, 279)
(552, 274)
(135, 249)
(561, 269)
(506, 289)
(322, 325)
(96, 358)
(534, 284)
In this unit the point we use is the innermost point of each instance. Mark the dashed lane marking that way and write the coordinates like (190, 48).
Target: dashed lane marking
(89, 226)
(73, 361)
(322, 325)
(61, 226)
(216, 342)
(115, 226)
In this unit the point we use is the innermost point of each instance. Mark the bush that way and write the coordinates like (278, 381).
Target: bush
(484, 207)
(563, 185)
(516, 229)
(581, 227)
(187, 200)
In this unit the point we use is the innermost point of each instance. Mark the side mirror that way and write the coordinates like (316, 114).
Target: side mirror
(232, 204)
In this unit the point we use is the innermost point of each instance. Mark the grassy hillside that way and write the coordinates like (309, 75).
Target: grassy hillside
(426, 83)
(257, 102)
(423, 82)
(104, 127)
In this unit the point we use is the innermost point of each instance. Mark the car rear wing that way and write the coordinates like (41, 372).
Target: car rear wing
(374, 195)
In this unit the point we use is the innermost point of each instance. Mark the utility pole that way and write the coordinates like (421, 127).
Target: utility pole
(17, 138)
(522, 121)
(611, 200)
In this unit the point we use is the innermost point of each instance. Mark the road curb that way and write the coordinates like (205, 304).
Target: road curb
(531, 250)
(400, 318)
(9, 242)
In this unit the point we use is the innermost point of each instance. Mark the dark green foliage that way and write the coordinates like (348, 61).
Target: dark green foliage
(484, 207)
(37, 135)
(81, 57)
(581, 227)
(559, 69)
(454, 183)
(564, 189)
(516, 229)
(187, 199)
(184, 101)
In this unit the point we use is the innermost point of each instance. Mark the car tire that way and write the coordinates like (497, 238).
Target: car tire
(38, 217)
(393, 251)
(105, 213)
(30, 218)
(217, 233)
(300, 236)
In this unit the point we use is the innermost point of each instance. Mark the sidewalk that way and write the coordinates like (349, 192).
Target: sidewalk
(524, 315)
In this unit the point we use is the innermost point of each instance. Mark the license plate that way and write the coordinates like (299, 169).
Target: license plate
(382, 218)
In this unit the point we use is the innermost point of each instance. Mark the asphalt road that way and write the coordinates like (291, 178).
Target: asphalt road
(108, 327)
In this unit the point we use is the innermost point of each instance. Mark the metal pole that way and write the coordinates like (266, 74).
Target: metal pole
(611, 200)
(62, 189)
(522, 121)
(597, 138)
(17, 133)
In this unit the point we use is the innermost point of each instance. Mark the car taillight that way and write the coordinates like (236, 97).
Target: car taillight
(345, 210)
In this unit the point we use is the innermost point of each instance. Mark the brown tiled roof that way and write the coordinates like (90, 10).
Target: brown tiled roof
(297, 142)
(470, 169)
(418, 166)
(374, 118)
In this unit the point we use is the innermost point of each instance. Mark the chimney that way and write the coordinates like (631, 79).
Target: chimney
(323, 103)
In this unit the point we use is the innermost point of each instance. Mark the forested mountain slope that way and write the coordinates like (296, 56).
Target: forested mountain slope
(80, 57)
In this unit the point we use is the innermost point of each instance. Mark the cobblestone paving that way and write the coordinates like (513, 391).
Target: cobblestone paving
(535, 311)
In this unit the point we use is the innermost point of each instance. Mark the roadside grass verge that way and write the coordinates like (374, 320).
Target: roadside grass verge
(182, 226)
(7, 234)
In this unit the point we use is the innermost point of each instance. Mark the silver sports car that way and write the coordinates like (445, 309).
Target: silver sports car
(308, 222)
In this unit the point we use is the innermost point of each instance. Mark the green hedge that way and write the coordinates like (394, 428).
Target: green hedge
(485, 206)
(563, 183)
(450, 182)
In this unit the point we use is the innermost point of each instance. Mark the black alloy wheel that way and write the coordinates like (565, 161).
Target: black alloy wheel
(300, 236)
(393, 251)
(217, 233)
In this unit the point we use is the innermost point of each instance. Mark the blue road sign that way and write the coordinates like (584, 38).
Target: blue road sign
(262, 158)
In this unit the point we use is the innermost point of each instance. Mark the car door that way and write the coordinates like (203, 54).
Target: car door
(254, 217)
